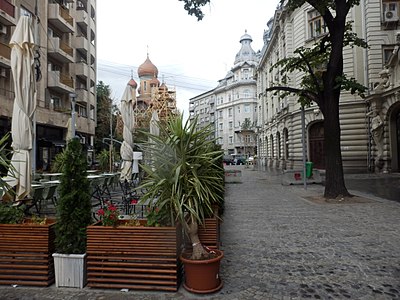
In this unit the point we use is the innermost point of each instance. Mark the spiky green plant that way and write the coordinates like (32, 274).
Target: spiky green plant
(185, 175)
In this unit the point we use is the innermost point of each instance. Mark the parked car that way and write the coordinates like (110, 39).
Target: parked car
(240, 160)
(228, 160)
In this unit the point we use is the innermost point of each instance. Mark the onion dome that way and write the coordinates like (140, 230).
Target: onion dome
(154, 81)
(147, 68)
(132, 83)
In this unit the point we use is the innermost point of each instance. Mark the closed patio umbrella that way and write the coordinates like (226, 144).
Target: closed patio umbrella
(22, 67)
(154, 130)
(129, 121)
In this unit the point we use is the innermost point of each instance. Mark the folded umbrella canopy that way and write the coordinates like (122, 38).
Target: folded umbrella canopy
(129, 121)
(22, 67)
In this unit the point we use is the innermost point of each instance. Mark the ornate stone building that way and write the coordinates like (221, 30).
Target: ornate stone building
(232, 102)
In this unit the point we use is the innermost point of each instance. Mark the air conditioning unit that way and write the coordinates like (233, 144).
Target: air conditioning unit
(390, 12)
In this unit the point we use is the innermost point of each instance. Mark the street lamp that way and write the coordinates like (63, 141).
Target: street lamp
(72, 97)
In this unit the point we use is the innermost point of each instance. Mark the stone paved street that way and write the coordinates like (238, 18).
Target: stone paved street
(279, 245)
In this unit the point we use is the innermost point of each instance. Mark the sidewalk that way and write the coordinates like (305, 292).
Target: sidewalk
(278, 245)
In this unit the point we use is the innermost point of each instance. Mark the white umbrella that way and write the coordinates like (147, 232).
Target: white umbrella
(22, 66)
(129, 121)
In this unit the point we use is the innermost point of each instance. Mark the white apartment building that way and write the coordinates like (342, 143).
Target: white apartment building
(66, 58)
(231, 102)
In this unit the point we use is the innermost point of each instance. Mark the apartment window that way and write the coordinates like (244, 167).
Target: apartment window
(220, 113)
(387, 53)
(230, 139)
(201, 102)
(238, 109)
(82, 111)
(220, 125)
(316, 24)
(230, 112)
(91, 112)
(56, 103)
(246, 93)
(202, 111)
(247, 108)
(230, 124)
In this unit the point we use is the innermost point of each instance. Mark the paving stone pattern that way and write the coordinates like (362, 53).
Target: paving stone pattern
(278, 245)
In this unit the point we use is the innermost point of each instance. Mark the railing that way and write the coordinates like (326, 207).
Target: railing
(66, 48)
(67, 80)
(66, 16)
(7, 7)
(5, 51)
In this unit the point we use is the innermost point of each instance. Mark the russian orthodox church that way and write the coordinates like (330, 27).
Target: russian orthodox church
(152, 95)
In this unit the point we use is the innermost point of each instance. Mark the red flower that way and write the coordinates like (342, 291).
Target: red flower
(100, 212)
(134, 201)
(112, 208)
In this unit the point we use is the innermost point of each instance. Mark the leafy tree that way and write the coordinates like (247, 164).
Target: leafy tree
(323, 78)
(104, 107)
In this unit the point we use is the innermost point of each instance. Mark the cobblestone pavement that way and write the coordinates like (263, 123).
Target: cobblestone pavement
(278, 245)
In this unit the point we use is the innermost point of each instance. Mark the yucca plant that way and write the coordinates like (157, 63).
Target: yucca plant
(184, 176)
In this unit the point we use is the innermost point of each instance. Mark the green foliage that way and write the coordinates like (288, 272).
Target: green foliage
(247, 124)
(10, 214)
(185, 176)
(74, 206)
(109, 214)
(58, 163)
(104, 159)
(193, 7)
(5, 163)
(156, 217)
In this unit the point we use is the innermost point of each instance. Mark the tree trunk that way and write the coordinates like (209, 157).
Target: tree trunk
(334, 180)
(198, 250)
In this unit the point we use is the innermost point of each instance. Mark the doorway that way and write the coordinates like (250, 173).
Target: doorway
(316, 145)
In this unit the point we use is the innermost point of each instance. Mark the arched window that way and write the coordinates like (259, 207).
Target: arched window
(272, 145)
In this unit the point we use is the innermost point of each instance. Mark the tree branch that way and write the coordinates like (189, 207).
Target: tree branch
(305, 93)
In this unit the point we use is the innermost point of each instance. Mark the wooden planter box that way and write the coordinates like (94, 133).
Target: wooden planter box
(136, 258)
(209, 233)
(26, 254)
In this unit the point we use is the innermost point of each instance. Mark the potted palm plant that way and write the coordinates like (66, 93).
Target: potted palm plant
(185, 178)
(73, 216)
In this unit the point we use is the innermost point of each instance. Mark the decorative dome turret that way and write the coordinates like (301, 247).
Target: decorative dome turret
(132, 83)
(246, 53)
(147, 69)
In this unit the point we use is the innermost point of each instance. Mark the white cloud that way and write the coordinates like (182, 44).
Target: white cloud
(191, 55)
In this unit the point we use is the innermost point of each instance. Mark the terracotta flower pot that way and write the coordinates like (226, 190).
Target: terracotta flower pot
(202, 276)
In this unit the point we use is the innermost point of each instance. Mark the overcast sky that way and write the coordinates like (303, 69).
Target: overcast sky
(191, 56)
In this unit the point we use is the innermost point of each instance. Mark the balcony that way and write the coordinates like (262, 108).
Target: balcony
(5, 56)
(59, 50)
(82, 18)
(82, 96)
(60, 18)
(7, 13)
(92, 77)
(60, 82)
(81, 43)
(82, 70)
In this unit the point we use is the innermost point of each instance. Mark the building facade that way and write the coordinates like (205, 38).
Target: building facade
(65, 31)
(383, 104)
(280, 130)
(232, 104)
